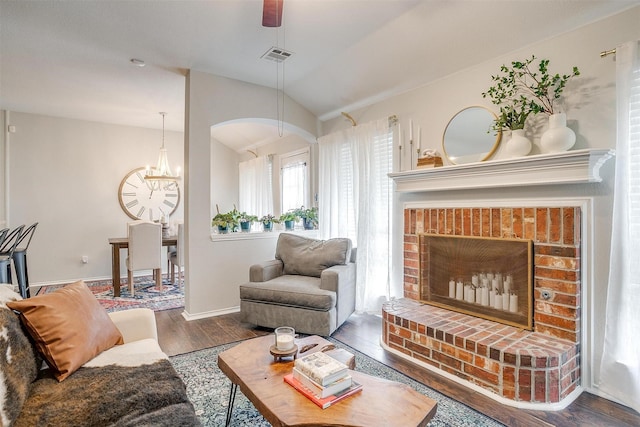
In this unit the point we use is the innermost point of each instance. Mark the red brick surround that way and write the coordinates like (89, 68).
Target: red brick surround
(540, 366)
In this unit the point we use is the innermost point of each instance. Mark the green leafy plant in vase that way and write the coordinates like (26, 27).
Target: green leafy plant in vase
(522, 89)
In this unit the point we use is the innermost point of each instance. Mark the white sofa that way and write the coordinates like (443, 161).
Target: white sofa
(130, 384)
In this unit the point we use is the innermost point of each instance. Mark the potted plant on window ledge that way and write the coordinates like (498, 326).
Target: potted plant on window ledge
(245, 221)
(309, 217)
(226, 222)
(289, 219)
(268, 221)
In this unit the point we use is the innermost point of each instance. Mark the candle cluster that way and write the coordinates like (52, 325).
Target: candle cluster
(487, 289)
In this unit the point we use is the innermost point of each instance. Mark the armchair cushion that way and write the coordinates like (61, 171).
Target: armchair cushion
(309, 257)
(293, 291)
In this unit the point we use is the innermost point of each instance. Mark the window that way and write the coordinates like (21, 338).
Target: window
(294, 179)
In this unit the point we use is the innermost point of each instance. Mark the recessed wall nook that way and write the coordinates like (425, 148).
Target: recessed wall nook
(527, 351)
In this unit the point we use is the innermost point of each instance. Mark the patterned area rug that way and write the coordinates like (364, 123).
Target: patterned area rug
(146, 295)
(208, 389)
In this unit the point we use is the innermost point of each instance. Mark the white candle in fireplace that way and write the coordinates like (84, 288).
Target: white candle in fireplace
(452, 289)
(474, 280)
(478, 295)
(495, 285)
(492, 297)
(507, 287)
(497, 303)
(505, 301)
(490, 276)
(513, 303)
(485, 282)
(485, 296)
(459, 291)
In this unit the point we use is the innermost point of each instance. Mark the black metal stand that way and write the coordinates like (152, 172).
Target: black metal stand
(232, 398)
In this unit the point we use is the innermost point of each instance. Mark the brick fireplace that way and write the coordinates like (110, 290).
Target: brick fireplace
(541, 365)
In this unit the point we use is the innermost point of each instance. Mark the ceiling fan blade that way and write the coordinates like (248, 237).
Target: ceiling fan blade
(272, 13)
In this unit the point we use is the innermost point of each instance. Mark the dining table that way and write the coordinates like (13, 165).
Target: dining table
(118, 243)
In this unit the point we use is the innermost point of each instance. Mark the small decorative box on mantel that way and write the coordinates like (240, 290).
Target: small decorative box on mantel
(429, 159)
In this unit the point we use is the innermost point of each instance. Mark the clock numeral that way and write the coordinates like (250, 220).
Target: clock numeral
(168, 203)
(129, 194)
(132, 203)
(150, 214)
(171, 195)
(140, 176)
(133, 185)
(141, 211)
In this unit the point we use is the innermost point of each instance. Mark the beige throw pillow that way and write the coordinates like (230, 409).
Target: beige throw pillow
(309, 257)
(69, 327)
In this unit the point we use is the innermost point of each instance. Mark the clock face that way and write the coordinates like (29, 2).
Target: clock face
(148, 200)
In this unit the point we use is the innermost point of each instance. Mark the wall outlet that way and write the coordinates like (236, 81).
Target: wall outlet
(85, 259)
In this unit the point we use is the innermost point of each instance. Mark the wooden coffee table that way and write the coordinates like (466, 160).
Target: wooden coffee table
(250, 366)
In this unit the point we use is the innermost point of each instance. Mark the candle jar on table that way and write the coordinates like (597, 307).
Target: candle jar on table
(285, 338)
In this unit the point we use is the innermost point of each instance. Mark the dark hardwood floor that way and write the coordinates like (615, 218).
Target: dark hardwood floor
(362, 332)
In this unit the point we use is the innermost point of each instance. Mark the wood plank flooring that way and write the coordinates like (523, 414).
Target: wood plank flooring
(362, 332)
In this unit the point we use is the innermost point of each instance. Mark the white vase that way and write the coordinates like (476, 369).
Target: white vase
(519, 145)
(558, 137)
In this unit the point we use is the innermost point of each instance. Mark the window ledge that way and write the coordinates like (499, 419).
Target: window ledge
(569, 167)
(217, 237)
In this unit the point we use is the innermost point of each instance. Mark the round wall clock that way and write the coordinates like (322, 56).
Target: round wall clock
(148, 200)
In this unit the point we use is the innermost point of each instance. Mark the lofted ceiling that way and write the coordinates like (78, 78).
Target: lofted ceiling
(72, 58)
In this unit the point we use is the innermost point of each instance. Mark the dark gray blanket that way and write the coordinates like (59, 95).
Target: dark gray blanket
(148, 395)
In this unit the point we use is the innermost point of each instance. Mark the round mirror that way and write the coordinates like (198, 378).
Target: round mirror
(468, 136)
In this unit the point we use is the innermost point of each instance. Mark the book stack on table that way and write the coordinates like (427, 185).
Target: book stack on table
(322, 379)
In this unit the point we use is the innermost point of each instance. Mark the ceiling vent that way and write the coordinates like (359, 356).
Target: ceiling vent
(276, 54)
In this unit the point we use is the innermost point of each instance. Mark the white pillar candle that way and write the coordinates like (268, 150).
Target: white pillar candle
(499, 277)
(495, 285)
(513, 303)
(497, 302)
(485, 282)
(490, 276)
(459, 291)
(505, 301)
(507, 287)
(452, 289)
(467, 289)
(478, 295)
(485, 296)
(475, 280)
(492, 297)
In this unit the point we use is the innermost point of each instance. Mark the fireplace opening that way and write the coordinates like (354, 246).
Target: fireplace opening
(485, 277)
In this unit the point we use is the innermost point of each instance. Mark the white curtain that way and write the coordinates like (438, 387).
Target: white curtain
(354, 202)
(620, 368)
(256, 194)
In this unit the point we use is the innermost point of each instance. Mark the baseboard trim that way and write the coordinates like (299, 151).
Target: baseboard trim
(195, 316)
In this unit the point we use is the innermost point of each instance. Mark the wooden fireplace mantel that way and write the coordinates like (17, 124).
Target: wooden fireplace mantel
(569, 167)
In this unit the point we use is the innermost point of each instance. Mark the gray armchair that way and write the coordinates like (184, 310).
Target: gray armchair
(310, 286)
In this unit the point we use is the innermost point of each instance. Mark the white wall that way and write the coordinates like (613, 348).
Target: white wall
(215, 269)
(65, 174)
(590, 108)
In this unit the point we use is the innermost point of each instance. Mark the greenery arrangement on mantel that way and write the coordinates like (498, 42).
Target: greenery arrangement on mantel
(522, 89)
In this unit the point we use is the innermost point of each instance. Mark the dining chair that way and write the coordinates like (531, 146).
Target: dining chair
(7, 247)
(145, 251)
(177, 258)
(20, 260)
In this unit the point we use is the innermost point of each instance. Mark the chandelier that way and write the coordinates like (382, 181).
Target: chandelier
(161, 176)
